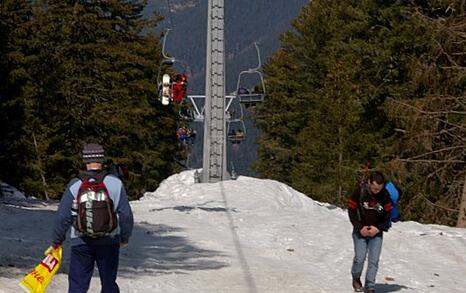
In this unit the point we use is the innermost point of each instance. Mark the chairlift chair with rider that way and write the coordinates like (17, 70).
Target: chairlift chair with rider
(236, 134)
(172, 89)
(247, 96)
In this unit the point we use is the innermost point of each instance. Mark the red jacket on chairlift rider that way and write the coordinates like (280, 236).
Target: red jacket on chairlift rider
(179, 88)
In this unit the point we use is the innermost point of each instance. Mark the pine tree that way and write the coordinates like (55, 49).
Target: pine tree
(280, 120)
(334, 87)
(431, 116)
(91, 70)
(379, 81)
(13, 15)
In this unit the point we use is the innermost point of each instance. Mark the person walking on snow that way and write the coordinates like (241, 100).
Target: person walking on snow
(369, 212)
(87, 250)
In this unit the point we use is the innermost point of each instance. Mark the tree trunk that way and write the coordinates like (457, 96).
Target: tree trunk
(461, 223)
(44, 182)
(340, 165)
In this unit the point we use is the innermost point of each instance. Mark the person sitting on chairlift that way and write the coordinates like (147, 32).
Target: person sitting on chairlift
(184, 111)
(239, 134)
(186, 135)
(180, 85)
(243, 91)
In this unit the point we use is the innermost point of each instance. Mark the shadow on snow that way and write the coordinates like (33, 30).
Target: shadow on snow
(188, 209)
(385, 288)
(153, 249)
(157, 249)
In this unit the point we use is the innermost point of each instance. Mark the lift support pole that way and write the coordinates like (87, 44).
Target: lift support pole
(214, 166)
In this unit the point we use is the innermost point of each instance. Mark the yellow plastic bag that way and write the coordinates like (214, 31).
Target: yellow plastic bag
(39, 278)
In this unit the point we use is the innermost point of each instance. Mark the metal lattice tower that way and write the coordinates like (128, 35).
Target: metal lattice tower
(214, 167)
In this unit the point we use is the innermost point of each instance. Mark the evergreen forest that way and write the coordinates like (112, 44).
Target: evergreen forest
(356, 85)
(365, 84)
(75, 72)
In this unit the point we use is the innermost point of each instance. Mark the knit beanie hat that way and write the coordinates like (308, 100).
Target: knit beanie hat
(93, 153)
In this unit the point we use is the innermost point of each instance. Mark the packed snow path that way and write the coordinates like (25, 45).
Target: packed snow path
(248, 235)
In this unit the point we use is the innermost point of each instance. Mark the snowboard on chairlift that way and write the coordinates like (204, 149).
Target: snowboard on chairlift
(166, 89)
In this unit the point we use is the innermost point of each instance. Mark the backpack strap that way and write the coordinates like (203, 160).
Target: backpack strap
(361, 193)
(98, 177)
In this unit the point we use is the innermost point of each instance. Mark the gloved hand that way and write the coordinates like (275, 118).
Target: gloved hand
(52, 247)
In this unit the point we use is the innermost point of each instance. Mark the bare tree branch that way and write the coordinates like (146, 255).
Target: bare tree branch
(433, 161)
(437, 205)
(437, 151)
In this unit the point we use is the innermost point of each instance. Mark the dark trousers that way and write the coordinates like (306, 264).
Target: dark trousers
(82, 262)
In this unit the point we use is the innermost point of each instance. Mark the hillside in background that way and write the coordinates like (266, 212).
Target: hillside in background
(246, 22)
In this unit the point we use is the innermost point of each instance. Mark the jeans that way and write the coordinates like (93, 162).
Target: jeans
(366, 246)
(82, 262)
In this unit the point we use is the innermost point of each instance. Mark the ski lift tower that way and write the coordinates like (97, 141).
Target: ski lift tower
(214, 162)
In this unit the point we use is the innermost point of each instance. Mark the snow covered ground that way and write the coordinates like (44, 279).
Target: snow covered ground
(248, 235)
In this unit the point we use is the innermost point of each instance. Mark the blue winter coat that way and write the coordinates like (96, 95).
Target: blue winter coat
(64, 219)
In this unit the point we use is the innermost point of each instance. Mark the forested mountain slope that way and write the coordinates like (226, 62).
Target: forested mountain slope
(246, 22)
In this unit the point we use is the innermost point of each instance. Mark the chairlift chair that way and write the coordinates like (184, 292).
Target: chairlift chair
(171, 61)
(251, 96)
(236, 135)
(166, 60)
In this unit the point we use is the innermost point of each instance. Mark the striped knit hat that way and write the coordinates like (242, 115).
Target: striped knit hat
(93, 153)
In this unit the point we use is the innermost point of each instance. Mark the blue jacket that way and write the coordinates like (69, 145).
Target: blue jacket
(64, 220)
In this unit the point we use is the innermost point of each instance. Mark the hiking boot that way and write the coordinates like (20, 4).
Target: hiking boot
(357, 285)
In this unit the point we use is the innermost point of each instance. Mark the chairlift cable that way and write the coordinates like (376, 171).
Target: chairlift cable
(170, 18)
